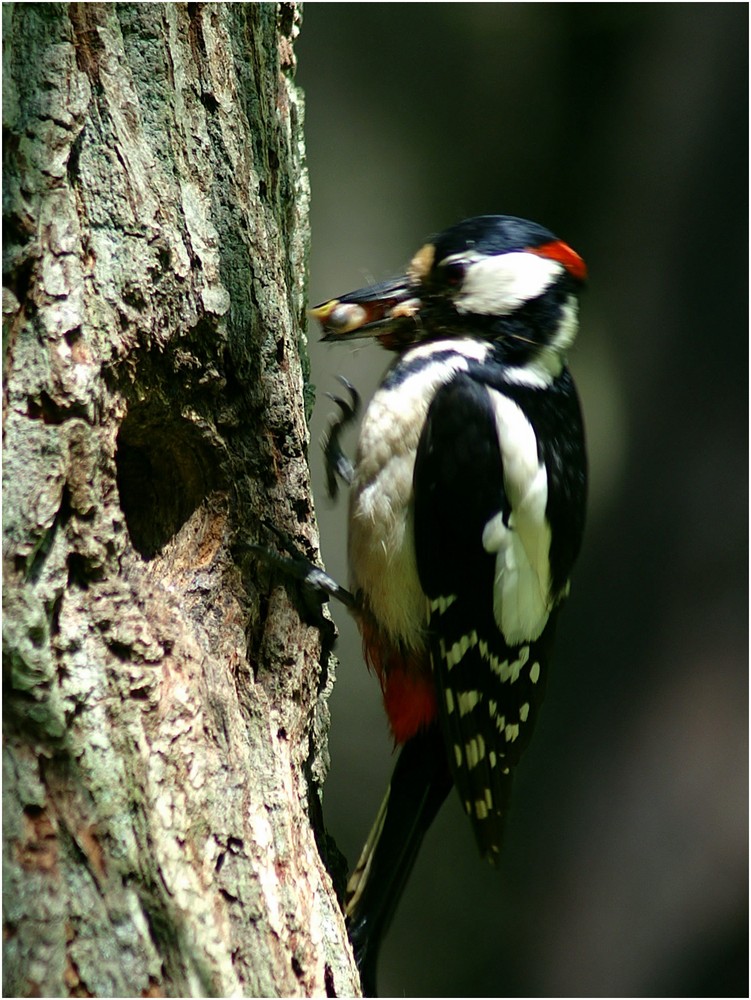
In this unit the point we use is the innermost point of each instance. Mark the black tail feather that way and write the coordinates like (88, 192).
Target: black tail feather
(419, 786)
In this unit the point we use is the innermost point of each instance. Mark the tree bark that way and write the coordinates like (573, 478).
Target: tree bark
(165, 705)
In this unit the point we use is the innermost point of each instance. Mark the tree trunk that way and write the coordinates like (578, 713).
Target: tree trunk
(165, 706)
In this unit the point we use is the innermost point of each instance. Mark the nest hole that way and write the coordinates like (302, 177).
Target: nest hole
(164, 471)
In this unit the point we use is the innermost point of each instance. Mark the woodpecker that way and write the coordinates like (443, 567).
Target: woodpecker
(466, 514)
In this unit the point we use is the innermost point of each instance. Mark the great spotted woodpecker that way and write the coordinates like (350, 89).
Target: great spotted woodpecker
(466, 514)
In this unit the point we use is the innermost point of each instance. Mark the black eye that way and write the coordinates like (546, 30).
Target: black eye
(452, 272)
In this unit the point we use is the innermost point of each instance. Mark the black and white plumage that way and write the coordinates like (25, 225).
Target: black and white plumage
(466, 511)
(496, 497)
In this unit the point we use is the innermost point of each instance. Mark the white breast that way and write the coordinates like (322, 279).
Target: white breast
(381, 538)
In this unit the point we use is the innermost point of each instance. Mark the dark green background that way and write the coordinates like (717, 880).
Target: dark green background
(624, 129)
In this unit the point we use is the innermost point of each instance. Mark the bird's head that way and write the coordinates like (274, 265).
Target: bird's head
(494, 277)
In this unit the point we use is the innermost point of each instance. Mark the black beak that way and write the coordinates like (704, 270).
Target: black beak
(386, 310)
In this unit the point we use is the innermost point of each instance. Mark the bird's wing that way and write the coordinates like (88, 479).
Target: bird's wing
(481, 540)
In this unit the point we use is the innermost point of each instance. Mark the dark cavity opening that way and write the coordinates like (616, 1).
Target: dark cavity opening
(164, 472)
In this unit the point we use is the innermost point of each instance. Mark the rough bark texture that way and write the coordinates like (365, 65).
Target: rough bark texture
(165, 712)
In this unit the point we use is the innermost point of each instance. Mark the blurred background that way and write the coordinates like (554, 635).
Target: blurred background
(623, 128)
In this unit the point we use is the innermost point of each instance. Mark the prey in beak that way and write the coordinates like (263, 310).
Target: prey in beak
(388, 311)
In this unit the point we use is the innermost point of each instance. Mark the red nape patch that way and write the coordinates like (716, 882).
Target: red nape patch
(410, 703)
(562, 252)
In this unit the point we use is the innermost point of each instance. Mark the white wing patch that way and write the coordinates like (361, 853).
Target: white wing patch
(521, 596)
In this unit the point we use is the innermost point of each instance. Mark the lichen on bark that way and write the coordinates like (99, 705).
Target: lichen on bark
(165, 705)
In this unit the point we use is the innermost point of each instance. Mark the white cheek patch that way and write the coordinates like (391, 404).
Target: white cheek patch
(496, 286)
(521, 594)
